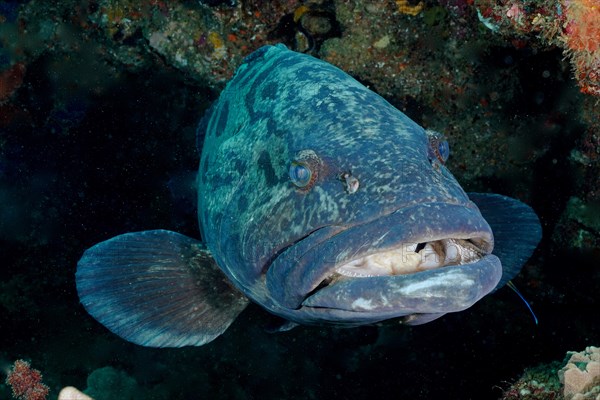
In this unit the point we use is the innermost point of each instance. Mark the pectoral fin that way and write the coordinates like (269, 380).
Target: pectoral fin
(516, 227)
(157, 288)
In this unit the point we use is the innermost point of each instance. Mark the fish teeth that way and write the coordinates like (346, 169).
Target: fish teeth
(407, 263)
(405, 260)
(432, 256)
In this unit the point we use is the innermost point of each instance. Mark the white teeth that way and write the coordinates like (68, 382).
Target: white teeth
(409, 247)
(404, 260)
(452, 254)
(429, 258)
(407, 263)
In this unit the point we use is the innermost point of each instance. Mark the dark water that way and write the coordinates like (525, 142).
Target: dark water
(79, 165)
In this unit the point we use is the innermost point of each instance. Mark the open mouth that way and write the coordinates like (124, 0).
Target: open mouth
(389, 267)
(431, 277)
(410, 258)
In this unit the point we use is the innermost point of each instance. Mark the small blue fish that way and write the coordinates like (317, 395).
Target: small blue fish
(320, 202)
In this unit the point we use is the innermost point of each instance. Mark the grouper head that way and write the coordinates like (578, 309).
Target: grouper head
(325, 204)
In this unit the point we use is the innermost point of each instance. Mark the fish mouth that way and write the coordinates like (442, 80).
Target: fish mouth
(430, 259)
(419, 281)
(410, 258)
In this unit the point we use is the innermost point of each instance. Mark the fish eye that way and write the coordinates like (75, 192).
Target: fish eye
(438, 149)
(304, 169)
(300, 174)
(443, 150)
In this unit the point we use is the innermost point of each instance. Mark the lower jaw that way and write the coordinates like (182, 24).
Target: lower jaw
(441, 290)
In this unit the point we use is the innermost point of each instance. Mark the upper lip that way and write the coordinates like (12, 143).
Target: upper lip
(301, 271)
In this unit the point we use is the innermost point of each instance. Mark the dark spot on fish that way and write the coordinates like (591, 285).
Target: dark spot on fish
(272, 128)
(257, 105)
(284, 223)
(239, 166)
(264, 162)
(223, 116)
(269, 91)
(324, 92)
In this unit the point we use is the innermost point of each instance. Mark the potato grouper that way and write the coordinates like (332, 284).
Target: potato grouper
(319, 201)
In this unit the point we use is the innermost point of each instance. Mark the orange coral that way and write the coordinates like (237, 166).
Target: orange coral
(582, 39)
(583, 25)
(587, 69)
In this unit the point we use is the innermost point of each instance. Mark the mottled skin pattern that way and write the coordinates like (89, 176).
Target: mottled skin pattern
(277, 242)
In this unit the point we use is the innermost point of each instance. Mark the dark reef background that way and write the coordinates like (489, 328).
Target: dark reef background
(99, 102)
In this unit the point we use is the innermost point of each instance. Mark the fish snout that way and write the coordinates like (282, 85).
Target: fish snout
(426, 259)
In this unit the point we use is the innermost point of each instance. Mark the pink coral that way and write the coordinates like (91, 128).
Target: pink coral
(582, 372)
(26, 382)
(516, 13)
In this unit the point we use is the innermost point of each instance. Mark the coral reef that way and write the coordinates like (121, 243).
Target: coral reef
(576, 378)
(536, 383)
(26, 382)
(573, 25)
(581, 375)
(581, 223)
(582, 37)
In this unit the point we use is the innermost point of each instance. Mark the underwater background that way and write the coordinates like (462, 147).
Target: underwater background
(99, 104)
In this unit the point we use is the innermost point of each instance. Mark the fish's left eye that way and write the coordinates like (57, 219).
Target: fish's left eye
(439, 149)
(300, 174)
(304, 169)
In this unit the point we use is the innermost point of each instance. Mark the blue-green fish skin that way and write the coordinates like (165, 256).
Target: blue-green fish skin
(280, 103)
(317, 200)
